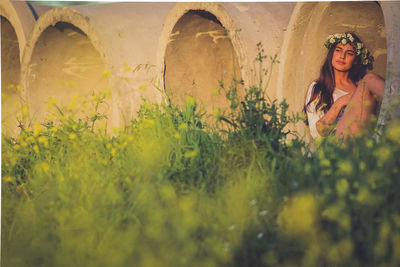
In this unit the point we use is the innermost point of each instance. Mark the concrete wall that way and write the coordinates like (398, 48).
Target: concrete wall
(133, 42)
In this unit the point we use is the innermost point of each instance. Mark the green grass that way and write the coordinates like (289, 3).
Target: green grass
(169, 189)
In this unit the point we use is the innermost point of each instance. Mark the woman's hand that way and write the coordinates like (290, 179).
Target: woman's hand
(325, 124)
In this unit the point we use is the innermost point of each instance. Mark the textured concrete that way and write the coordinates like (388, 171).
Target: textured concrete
(390, 109)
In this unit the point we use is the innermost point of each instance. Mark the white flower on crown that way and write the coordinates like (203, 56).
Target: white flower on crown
(344, 41)
(337, 35)
(359, 45)
(332, 40)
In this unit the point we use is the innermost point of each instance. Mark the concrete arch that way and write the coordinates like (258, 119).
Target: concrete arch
(21, 19)
(10, 74)
(179, 10)
(308, 29)
(71, 19)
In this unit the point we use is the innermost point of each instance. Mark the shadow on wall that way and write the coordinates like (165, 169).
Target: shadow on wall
(311, 25)
(10, 74)
(198, 56)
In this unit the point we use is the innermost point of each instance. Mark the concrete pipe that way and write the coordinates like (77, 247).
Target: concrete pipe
(134, 48)
(183, 48)
(16, 20)
(303, 51)
(205, 43)
(63, 59)
(390, 106)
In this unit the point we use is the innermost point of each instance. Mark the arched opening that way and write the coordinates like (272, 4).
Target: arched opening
(199, 55)
(10, 73)
(304, 50)
(64, 64)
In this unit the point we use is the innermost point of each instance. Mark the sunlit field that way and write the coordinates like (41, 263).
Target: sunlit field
(175, 187)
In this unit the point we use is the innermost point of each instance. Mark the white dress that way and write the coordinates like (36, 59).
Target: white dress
(314, 116)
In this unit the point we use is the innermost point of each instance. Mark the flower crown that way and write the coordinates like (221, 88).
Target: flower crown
(346, 38)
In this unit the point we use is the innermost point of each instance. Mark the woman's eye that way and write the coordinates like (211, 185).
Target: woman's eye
(350, 54)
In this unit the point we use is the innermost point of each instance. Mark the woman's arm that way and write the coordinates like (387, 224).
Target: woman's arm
(325, 124)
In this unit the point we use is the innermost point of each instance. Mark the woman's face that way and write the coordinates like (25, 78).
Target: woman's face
(343, 57)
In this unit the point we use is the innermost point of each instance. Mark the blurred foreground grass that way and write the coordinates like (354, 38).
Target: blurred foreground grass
(168, 189)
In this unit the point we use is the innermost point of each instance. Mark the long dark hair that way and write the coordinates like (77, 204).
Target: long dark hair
(325, 84)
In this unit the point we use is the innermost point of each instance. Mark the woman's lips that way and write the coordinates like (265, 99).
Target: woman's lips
(341, 62)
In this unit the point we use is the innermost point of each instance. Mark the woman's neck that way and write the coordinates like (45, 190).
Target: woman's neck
(341, 77)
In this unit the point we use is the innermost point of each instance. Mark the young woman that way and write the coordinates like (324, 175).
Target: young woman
(343, 95)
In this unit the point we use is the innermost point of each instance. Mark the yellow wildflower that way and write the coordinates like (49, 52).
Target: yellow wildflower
(106, 74)
(325, 163)
(51, 102)
(393, 133)
(383, 153)
(72, 136)
(191, 154)
(43, 140)
(216, 112)
(143, 87)
(25, 111)
(384, 230)
(182, 126)
(345, 167)
(362, 166)
(30, 139)
(45, 167)
(298, 216)
(363, 195)
(4, 96)
(107, 93)
(37, 129)
(190, 100)
(126, 66)
(36, 148)
(177, 136)
(369, 143)
(72, 104)
(7, 179)
(342, 186)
